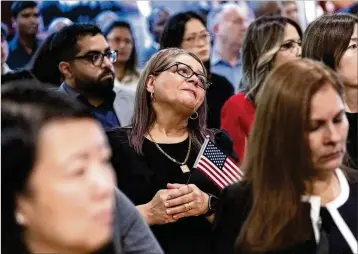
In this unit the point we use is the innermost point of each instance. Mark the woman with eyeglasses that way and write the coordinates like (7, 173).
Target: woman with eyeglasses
(332, 39)
(120, 38)
(270, 41)
(154, 157)
(187, 30)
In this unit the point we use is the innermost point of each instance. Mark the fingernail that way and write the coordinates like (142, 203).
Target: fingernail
(168, 211)
(166, 204)
(175, 217)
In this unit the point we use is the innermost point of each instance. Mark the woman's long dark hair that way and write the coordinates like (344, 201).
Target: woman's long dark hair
(174, 30)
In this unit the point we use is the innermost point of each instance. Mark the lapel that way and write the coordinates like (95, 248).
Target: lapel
(124, 106)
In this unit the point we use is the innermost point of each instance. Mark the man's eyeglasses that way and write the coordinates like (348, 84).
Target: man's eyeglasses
(186, 72)
(98, 58)
(192, 40)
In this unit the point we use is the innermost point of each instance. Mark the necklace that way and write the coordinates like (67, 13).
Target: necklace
(183, 165)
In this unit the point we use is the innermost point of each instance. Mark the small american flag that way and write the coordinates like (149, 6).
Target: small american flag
(217, 166)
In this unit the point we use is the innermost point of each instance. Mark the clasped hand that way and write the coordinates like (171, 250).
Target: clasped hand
(176, 202)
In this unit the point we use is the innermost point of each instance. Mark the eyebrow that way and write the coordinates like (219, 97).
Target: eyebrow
(202, 31)
(354, 39)
(84, 155)
(96, 51)
(340, 113)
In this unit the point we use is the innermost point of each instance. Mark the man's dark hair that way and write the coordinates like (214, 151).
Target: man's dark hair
(4, 31)
(44, 64)
(64, 42)
(18, 6)
(132, 61)
(25, 109)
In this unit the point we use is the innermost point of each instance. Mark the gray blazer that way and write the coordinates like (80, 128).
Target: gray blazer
(131, 233)
(123, 104)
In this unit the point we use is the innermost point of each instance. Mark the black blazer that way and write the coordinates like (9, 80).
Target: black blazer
(235, 204)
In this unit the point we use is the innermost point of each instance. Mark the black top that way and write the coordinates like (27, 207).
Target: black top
(141, 177)
(18, 57)
(352, 142)
(217, 94)
(235, 204)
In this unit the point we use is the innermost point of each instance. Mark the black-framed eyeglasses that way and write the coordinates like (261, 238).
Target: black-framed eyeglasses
(186, 72)
(98, 57)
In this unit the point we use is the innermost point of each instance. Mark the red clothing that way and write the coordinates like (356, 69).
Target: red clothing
(237, 116)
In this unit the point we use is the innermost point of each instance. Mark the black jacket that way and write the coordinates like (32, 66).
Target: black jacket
(235, 205)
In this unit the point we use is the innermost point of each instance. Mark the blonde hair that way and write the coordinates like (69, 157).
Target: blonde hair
(261, 44)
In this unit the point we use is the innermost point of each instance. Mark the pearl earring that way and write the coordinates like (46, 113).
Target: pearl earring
(20, 219)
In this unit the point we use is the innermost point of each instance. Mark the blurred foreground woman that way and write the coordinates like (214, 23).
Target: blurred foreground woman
(296, 198)
(58, 186)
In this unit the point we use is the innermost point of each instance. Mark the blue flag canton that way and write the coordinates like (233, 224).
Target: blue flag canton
(215, 155)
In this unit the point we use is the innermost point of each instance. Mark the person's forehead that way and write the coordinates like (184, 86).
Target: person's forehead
(319, 102)
(231, 12)
(123, 31)
(189, 60)
(68, 136)
(92, 43)
(29, 10)
(194, 25)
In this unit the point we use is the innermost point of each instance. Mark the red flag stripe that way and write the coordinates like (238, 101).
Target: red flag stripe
(222, 174)
(233, 165)
(212, 177)
(230, 179)
(227, 170)
(233, 171)
(214, 170)
(210, 174)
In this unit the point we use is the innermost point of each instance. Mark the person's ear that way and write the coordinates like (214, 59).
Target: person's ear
(150, 84)
(215, 30)
(65, 69)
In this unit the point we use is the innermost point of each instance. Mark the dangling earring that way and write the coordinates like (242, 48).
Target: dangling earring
(152, 96)
(196, 115)
(20, 219)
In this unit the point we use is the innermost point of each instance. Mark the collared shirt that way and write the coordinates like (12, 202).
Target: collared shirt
(18, 57)
(223, 68)
(104, 113)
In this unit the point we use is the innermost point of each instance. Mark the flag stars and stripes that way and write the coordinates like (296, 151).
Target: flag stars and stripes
(217, 166)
